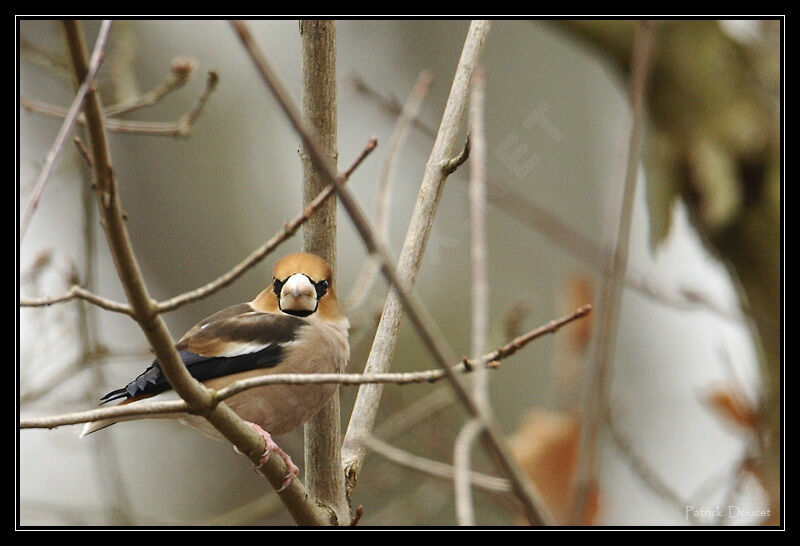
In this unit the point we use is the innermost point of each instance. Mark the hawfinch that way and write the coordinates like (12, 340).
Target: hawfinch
(293, 326)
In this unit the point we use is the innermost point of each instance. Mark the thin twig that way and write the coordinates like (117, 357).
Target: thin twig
(401, 422)
(423, 408)
(83, 151)
(394, 145)
(180, 72)
(465, 513)
(611, 297)
(368, 274)
(180, 128)
(144, 409)
(434, 468)
(533, 506)
(255, 257)
(478, 240)
(388, 104)
(78, 292)
(149, 409)
(58, 67)
(69, 120)
(685, 298)
(187, 121)
(550, 328)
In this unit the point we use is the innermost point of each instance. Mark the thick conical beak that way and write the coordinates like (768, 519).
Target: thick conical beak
(298, 294)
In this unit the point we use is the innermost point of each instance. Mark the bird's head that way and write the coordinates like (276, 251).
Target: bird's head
(302, 285)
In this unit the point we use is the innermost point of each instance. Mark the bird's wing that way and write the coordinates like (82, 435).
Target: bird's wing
(234, 340)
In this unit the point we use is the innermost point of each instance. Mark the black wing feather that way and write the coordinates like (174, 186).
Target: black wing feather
(153, 381)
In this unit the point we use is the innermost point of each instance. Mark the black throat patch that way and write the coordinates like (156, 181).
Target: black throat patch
(300, 313)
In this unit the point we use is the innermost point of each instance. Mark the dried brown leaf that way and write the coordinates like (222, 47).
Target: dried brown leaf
(546, 446)
(733, 406)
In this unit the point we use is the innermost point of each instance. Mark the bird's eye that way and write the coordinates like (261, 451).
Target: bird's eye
(277, 286)
(322, 288)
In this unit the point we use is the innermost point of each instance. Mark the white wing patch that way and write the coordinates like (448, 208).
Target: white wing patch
(238, 349)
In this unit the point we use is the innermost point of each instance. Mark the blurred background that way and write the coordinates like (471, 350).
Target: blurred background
(693, 409)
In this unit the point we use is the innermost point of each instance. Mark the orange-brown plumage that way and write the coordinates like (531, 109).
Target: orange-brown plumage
(316, 269)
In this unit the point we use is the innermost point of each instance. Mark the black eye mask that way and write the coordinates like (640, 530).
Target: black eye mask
(321, 287)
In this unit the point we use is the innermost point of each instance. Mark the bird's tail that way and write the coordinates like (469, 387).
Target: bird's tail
(94, 426)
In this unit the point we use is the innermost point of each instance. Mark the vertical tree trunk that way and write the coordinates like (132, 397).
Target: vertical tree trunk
(323, 468)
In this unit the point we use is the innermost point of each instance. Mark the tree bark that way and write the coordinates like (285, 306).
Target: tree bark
(323, 468)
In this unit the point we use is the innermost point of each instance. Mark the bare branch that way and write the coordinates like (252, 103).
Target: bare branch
(69, 119)
(434, 468)
(181, 128)
(180, 73)
(394, 146)
(119, 242)
(149, 409)
(480, 299)
(465, 514)
(83, 151)
(322, 433)
(255, 257)
(478, 240)
(418, 411)
(185, 124)
(389, 105)
(368, 274)
(550, 328)
(78, 292)
(345, 176)
(687, 299)
(611, 298)
(51, 63)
